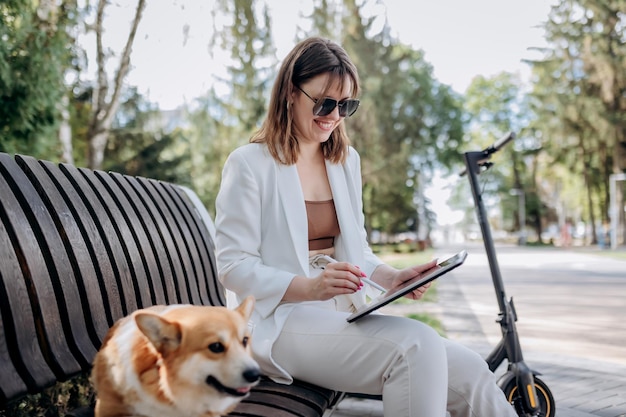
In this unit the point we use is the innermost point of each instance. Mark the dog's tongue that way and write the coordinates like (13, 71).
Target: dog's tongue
(243, 390)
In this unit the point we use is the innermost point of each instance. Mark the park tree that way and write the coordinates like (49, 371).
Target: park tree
(140, 143)
(326, 20)
(36, 50)
(211, 141)
(245, 35)
(579, 84)
(108, 87)
(604, 57)
(497, 105)
(410, 126)
(573, 159)
(603, 52)
(227, 115)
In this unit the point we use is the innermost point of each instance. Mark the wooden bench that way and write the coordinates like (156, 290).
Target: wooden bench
(81, 248)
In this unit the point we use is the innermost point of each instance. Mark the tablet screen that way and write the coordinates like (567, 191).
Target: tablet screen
(392, 294)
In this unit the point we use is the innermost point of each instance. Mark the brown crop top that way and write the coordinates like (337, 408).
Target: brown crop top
(323, 224)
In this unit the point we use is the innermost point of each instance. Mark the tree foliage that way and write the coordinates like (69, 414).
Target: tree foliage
(35, 51)
(227, 115)
(570, 122)
(140, 145)
(578, 93)
(247, 38)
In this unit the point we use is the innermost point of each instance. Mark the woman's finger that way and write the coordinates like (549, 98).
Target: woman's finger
(426, 266)
(346, 272)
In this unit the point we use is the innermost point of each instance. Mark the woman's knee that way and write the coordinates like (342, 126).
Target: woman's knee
(462, 357)
(467, 370)
(418, 345)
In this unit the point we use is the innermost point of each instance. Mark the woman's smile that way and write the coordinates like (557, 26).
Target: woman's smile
(325, 125)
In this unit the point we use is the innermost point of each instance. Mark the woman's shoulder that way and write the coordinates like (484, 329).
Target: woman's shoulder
(353, 156)
(252, 156)
(352, 152)
(251, 152)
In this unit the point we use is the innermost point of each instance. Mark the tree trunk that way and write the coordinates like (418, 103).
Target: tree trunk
(105, 105)
(619, 166)
(65, 133)
(588, 188)
(97, 144)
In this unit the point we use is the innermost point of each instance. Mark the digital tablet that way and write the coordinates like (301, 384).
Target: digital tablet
(406, 287)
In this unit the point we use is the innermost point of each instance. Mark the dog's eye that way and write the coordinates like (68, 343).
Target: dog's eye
(216, 347)
(245, 341)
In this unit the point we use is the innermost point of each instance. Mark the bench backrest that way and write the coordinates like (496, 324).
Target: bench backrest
(80, 249)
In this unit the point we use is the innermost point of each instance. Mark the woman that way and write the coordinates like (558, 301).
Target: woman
(292, 198)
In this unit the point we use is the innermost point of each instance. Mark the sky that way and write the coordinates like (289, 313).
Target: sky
(461, 39)
(171, 64)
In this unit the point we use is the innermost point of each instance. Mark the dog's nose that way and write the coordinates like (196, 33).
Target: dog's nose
(252, 374)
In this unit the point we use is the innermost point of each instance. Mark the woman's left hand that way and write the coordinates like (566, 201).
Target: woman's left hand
(412, 272)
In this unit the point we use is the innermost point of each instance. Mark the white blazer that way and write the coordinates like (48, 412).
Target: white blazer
(262, 236)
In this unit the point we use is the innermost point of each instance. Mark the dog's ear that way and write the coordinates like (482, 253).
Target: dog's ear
(245, 308)
(163, 334)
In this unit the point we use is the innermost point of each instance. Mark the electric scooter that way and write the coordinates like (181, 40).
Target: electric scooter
(528, 394)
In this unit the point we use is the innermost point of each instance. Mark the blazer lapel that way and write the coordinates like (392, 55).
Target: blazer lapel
(295, 212)
(348, 245)
(342, 197)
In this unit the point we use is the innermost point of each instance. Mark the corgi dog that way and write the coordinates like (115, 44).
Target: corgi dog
(177, 360)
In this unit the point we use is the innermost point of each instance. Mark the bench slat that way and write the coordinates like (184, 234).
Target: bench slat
(119, 273)
(309, 398)
(188, 250)
(67, 246)
(119, 209)
(152, 225)
(12, 291)
(139, 217)
(37, 274)
(72, 182)
(136, 219)
(298, 399)
(248, 409)
(63, 281)
(204, 242)
(179, 259)
(186, 225)
(82, 253)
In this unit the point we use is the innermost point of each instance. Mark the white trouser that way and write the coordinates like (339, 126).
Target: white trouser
(418, 373)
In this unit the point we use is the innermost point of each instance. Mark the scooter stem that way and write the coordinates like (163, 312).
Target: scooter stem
(509, 346)
(473, 161)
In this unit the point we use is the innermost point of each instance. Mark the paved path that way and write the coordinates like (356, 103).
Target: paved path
(572, 322)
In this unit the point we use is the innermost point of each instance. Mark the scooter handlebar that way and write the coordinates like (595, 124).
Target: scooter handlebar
(497, 145)
(500, 143)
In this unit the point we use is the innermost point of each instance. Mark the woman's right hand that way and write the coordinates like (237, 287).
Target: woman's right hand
(337, 278)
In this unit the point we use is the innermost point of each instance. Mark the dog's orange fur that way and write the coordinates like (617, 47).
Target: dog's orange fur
(163, 361)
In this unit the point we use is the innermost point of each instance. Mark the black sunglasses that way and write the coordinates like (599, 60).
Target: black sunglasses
(325, 106)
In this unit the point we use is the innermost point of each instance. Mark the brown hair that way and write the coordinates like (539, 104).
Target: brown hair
(308, 59)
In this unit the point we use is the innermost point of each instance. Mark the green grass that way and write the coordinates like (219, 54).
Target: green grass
(613, 254)
(429, 320)
(404, 260)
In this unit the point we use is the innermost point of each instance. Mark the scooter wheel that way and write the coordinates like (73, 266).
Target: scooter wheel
(544, 396)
